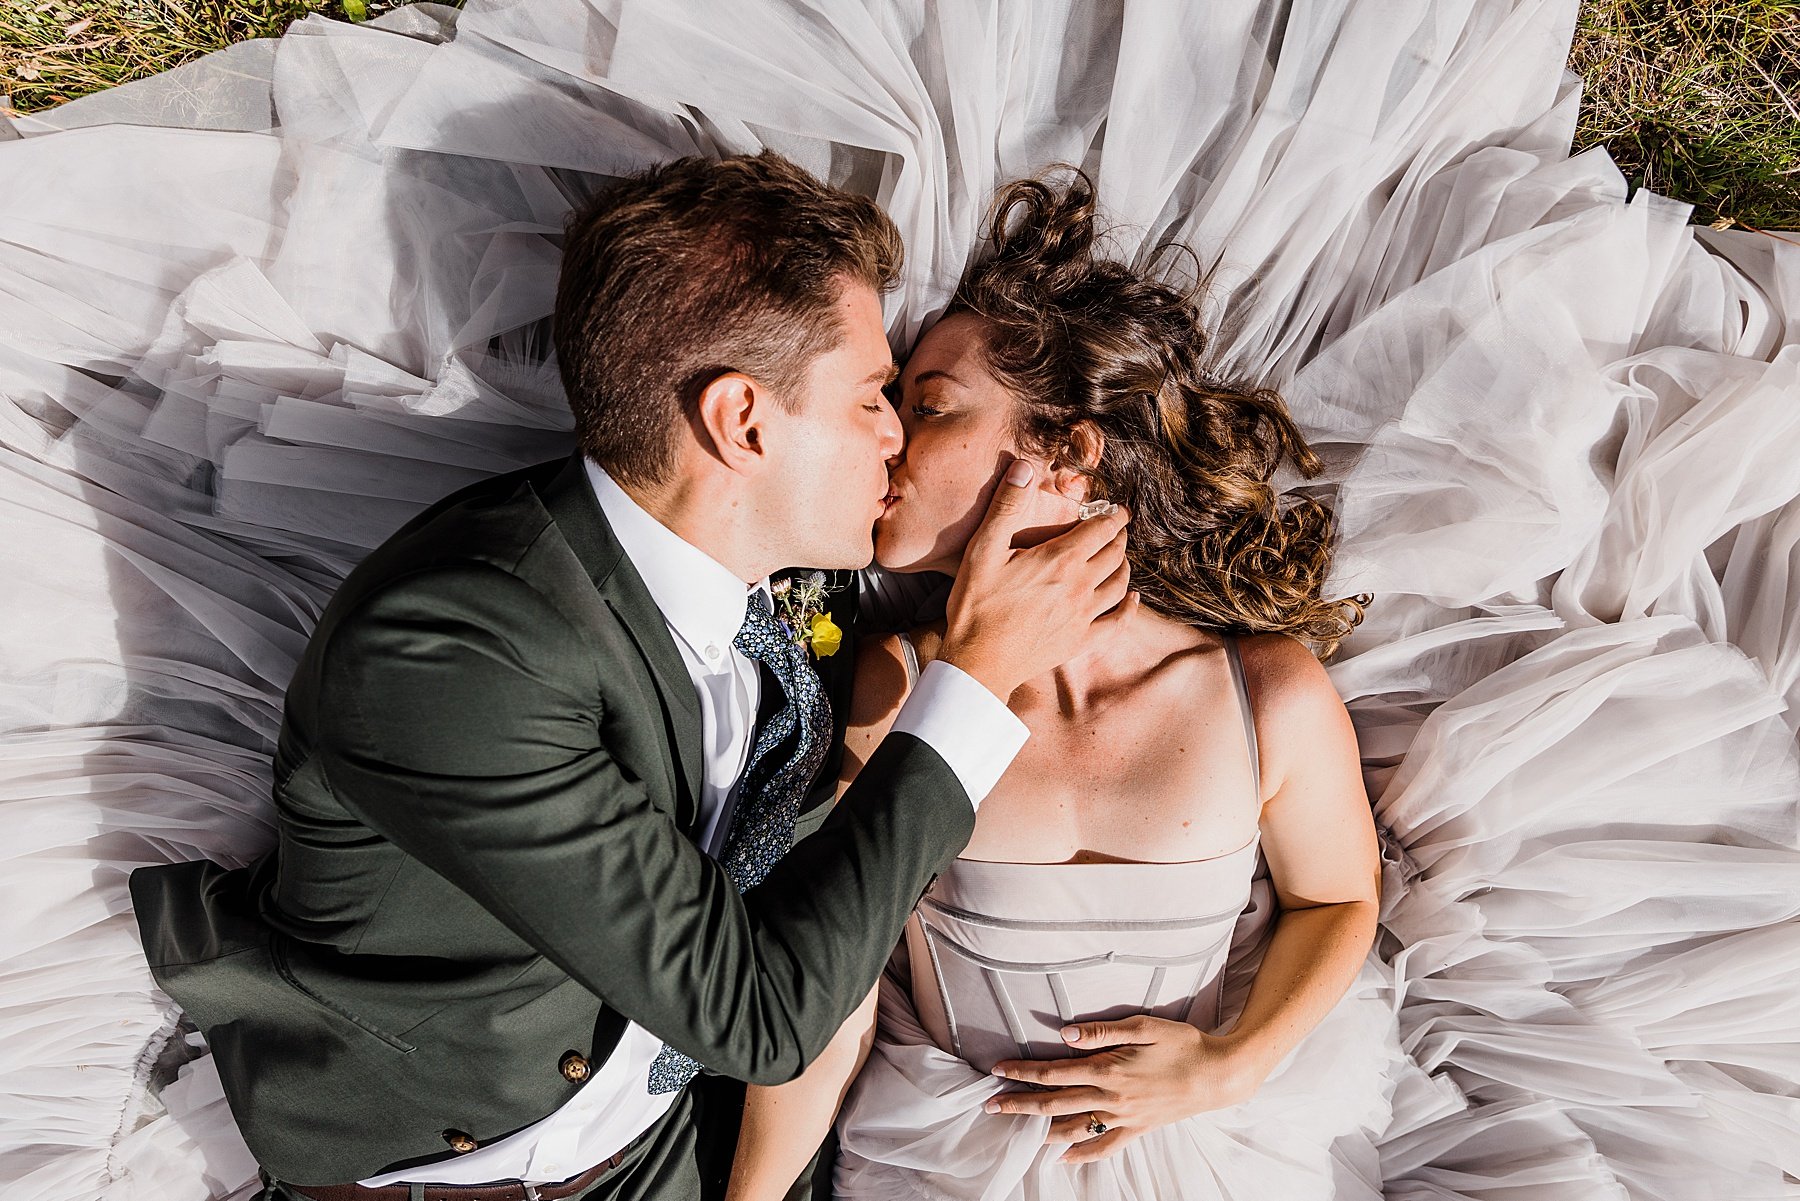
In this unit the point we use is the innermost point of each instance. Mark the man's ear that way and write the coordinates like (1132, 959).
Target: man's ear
(728, 420)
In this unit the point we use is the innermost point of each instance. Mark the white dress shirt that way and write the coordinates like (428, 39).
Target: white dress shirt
(703, 604)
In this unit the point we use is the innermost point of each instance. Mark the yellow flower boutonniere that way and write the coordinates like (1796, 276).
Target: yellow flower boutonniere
(800, 607)
(826, 637)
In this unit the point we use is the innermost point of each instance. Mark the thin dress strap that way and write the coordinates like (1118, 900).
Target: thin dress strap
(1243, 694)
(910, 653)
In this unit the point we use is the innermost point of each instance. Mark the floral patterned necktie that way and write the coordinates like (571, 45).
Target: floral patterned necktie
(769, 794)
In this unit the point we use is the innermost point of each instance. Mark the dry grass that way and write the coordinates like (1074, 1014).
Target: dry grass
(1696, 99)
(56, 50)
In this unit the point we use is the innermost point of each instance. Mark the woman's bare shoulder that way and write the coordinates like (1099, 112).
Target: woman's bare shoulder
(1282, 671)
(1293, 703)
(877, 690)
(880, 685)
(927, 639)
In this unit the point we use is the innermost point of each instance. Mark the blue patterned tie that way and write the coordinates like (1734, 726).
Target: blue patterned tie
(769, 794)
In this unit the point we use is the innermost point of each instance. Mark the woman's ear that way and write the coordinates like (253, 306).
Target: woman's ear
(728, 420)
(1086, 443)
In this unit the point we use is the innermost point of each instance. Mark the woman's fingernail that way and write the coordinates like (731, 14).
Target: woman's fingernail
(1071, 1033)
(1000, 1072)
(1019, 473)
(992, 1107)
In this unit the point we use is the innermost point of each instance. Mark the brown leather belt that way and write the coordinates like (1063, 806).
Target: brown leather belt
(500, 1190)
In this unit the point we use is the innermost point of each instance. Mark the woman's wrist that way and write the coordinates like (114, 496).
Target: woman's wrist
(1247, 1060)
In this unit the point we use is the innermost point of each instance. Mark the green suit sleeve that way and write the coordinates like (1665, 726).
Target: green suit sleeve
(461, 717)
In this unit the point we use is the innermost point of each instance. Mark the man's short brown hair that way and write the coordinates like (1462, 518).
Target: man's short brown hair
(698, 267)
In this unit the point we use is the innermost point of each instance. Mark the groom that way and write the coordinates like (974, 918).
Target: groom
(542, 759)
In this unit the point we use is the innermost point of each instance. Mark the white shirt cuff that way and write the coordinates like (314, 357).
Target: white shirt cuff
(968, 726)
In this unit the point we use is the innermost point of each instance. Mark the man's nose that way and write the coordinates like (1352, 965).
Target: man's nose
(893, 434)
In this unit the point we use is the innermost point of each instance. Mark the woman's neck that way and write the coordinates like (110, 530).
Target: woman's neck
(1111, 665)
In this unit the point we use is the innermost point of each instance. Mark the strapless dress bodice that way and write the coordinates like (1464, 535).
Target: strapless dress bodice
(1002, 955)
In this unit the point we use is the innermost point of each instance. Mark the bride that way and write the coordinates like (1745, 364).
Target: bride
(1076, 1008)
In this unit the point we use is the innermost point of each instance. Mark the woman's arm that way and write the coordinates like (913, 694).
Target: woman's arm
(1319, 839)
(1318, 835)
(784, 1124)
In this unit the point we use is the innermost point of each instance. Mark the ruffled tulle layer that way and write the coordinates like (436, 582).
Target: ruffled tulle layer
(258, 310)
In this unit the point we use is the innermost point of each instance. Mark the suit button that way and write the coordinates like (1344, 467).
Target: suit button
(575, 1068)
(459, 1142)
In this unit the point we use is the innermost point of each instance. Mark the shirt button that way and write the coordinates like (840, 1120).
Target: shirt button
(712, 651)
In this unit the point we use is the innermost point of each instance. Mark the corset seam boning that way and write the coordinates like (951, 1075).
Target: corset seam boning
(1087, 924)
(1036, 968)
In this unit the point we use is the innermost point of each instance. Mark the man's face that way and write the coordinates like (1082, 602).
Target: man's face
(831, 454)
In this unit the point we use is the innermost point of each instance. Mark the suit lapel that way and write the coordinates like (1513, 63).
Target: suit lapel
(570, 500)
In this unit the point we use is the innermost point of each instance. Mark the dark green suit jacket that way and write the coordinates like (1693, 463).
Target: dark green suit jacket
(485, 794)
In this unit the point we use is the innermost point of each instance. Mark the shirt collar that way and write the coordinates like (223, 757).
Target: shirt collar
(700, 598)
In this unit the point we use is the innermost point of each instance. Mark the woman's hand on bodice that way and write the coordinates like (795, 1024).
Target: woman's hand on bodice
(1139, 1073)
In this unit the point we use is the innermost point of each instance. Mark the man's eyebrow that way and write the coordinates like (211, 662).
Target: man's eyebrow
(884, 377)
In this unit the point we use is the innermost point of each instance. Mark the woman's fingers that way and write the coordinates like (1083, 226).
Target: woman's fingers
(1054, 1102)
(1056, 1073)
(1139, 1028)
(1098, 1147)
(1074, 1127)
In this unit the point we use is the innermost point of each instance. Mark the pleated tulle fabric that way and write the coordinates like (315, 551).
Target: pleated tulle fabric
(257, 310)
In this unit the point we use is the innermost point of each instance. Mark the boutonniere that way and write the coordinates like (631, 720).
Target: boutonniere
(800, 607)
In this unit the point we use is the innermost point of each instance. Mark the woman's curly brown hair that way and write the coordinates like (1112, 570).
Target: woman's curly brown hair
(1080, 338)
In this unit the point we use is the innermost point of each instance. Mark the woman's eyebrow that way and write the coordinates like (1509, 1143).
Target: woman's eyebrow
(934, 374)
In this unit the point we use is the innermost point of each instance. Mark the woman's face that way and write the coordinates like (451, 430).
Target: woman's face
(959, 439)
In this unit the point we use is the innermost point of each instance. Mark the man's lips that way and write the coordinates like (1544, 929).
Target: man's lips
(889, 501)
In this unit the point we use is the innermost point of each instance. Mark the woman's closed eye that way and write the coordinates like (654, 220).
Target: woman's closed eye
(920, 409)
